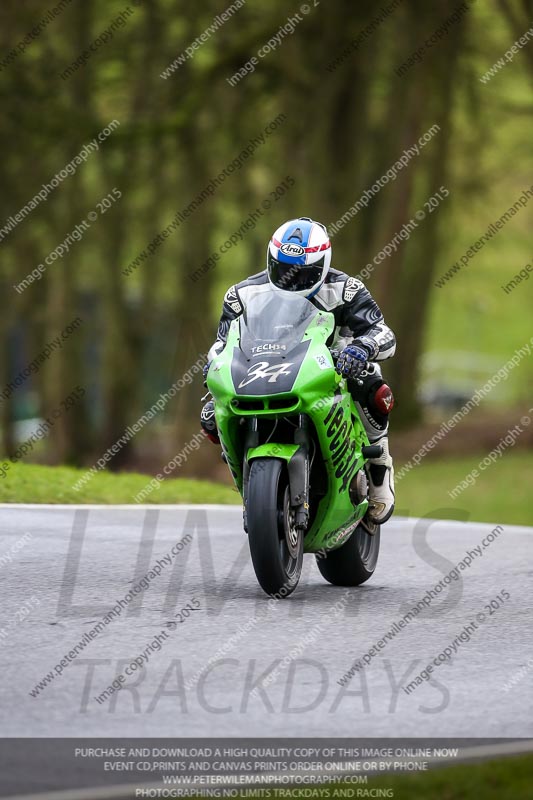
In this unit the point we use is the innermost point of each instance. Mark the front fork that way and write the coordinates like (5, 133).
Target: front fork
(298, 467)
(297, 459)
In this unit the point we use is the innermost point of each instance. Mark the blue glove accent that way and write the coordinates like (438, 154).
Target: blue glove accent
(352, 361)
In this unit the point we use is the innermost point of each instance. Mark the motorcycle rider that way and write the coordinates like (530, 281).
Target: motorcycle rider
(298, 261)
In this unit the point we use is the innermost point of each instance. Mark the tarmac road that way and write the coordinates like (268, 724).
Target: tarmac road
(62, 569)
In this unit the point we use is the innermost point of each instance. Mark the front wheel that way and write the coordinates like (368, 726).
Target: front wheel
(276, 546)
(353, 562)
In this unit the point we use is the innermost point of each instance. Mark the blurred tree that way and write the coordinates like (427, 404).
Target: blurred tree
(348, 117)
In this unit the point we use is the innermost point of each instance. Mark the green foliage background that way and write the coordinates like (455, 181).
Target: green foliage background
(344, 127)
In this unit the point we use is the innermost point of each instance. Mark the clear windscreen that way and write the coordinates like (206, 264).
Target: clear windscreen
(275, 317)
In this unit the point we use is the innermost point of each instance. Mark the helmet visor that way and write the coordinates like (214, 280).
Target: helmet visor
(294, 277)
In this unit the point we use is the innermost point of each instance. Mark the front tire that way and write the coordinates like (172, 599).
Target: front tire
(354, 562)
(276, 546)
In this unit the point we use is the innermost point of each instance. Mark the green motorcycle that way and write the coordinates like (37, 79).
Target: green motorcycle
(294, 443)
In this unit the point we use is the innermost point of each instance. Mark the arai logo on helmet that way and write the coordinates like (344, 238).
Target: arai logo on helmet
(290, 249)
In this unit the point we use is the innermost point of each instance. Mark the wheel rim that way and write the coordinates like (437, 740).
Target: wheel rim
(289, 537)
(368, 546)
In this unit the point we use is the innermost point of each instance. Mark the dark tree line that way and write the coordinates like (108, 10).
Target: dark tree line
(344, 128)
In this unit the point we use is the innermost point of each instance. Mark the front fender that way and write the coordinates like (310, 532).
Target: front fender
(298, 468)
(272, 450)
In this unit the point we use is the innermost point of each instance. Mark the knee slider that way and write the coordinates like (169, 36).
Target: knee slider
(208, 422)
(383, 399)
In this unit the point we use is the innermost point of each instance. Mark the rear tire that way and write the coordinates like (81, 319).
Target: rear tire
(276, 546)
(354, 562)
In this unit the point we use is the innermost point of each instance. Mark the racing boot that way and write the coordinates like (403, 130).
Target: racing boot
(380, 474)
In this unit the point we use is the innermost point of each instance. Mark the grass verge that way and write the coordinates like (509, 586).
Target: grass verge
(31, 483)
(501, 779)
(500, 495)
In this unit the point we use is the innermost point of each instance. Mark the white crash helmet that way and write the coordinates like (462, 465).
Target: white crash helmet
(299, 257)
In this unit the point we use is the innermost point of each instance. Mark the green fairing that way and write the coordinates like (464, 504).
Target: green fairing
(321, 394)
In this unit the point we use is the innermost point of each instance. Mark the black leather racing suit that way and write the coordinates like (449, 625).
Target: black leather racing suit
(357, 316)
